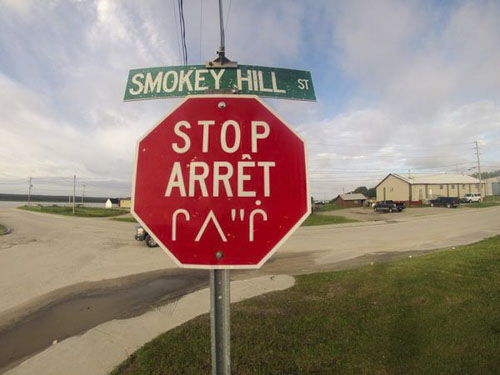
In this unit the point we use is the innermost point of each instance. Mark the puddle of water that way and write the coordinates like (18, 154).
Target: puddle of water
(77, 314)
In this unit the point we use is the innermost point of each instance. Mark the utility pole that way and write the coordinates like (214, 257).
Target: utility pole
(74, 192)
(479, 170)
(83, 192)
(29, 191)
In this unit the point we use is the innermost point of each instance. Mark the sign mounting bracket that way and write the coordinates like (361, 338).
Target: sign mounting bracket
(221, 61)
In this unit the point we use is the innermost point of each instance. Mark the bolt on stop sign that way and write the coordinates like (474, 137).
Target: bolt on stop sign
(221, 182)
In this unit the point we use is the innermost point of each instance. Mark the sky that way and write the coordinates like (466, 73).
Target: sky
(402, 86)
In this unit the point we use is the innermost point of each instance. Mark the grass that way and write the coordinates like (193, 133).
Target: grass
(492, 198)
(79, 211)
(328, 207)
(127, 219)
(3, 229)
(317, 219)
(481, 204)
(432, 314)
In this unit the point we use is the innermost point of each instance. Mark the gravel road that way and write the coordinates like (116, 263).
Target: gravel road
(45, 253)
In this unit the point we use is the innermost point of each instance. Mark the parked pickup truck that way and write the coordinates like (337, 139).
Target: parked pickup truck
(471, 197)
(389, 206)
(446, 202)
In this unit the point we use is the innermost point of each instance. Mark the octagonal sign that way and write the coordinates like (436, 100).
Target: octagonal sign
(221, 182)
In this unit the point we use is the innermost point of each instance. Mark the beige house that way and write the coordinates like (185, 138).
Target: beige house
(419, 188)
(125, 202)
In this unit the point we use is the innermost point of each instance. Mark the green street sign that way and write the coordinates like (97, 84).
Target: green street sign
(175, 81)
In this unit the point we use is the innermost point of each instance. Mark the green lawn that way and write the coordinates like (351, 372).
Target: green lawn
(317, 219)
(127, 219)
(79, 211)
(432, 314)
(328, 207)
(481, 205)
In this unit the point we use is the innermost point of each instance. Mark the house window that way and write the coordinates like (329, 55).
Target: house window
(441, 187)
(477, 186)
(453, 186)
(463, 186)
(392, 189)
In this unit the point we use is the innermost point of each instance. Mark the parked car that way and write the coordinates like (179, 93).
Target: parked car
(389, 206)
(471, 197)
(142, 235)
(446, 202)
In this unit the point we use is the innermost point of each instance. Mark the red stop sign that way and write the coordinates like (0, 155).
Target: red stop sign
(221, 182)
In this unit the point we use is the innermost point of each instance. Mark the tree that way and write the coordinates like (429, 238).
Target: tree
(486, 175)
(361, 190)
(371, 193)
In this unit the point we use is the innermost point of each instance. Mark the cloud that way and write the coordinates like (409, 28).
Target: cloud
(65, 69)
(400, 84)
(416, 59)
(426, 85)
(22, 8)
(264, 33)
(64, 81)
(358, 148)
(373, 40)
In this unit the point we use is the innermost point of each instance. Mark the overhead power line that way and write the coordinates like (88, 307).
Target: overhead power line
(182, 24)
(176, 12)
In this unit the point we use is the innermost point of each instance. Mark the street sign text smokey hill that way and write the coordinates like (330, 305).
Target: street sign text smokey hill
(221, 182)
(175, 81)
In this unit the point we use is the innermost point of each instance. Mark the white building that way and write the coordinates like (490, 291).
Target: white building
(492, 186)
(112, 203)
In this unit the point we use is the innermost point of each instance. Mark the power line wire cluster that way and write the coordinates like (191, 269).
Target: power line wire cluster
(182, 25)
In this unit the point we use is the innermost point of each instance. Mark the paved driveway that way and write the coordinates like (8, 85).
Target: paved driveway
(368, 214)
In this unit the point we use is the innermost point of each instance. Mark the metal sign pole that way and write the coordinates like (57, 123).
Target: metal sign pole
(220, 299)
(220, 322)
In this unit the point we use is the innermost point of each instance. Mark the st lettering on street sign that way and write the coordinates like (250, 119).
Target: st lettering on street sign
(221, 182)
(179, 81)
